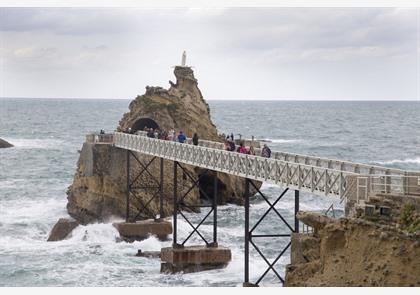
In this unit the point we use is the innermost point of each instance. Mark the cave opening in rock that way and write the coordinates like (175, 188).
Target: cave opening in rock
(206, 183)
(140, 124)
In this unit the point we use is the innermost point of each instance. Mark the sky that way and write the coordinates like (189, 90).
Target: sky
(236, 53)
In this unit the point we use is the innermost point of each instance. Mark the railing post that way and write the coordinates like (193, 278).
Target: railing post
(246, 279)
(161, 214)
(215, 210)
(127, 196)
(296, 210)
(175, 204)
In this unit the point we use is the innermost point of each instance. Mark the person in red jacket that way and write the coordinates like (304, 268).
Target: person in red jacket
(242, 149)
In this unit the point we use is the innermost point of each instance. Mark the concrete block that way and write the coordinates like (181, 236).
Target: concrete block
(194, 258)
(141, 230)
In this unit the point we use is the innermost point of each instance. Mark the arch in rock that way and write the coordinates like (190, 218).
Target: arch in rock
(144, 122)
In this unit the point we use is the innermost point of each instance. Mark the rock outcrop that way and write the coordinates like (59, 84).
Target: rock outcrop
(353, 252)
(98, 192)
(62, 229)
(5, 144)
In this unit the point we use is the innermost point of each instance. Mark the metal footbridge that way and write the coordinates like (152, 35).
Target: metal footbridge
(319, 176)
(352, 182)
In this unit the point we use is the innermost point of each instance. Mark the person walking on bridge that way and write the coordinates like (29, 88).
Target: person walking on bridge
(242, 149)
(195, 139)
(181, 137)
(266, 152)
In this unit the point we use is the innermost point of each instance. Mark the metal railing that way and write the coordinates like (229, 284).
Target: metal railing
(368, 185)
(100, 138)
(318, 180)
(345, 166)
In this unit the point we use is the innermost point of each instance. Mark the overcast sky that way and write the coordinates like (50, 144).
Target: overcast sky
(237, 53)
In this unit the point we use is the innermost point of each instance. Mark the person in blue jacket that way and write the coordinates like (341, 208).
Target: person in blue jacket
(181, 137)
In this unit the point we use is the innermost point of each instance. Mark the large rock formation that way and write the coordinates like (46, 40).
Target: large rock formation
(5, 144)
(98, 191)
(354, 252)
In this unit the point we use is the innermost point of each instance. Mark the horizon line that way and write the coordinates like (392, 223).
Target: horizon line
(212, 99)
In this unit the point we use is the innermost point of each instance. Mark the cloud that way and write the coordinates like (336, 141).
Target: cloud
(233, 49)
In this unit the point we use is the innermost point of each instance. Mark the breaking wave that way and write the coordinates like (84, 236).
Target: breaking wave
(279, 140)
(397, 161)
(26, 143)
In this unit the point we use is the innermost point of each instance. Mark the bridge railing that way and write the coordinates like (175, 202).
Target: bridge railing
(319, 180)
(335, 164)
(100, 138)
(369, 185)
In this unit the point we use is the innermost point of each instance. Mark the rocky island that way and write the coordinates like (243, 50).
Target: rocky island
(98, 191)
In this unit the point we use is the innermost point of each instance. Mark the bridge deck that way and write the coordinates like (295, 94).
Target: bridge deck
(308, 173)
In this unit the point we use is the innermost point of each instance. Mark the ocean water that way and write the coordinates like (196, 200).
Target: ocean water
(47, 134)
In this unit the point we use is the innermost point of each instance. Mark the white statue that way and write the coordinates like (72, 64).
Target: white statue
(184, 59)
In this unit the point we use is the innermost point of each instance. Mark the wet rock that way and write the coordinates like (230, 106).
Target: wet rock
(62, 229)
(315, 220)
(5, 144)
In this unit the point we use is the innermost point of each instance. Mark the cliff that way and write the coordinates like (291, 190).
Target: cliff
(355, 252)
(98, 191)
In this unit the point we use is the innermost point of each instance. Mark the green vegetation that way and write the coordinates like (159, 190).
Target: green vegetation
(408, 218)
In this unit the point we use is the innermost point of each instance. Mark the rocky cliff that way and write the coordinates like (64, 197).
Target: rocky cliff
(353, 252)
(98, 191)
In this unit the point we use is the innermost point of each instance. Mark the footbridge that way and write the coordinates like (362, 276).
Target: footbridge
(348, 181)
(319, 176)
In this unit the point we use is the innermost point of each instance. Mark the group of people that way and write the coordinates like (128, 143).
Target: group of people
(230, 146)
(181, 138)
(171, 135)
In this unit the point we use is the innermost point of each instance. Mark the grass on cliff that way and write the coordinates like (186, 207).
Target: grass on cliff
(409, 220)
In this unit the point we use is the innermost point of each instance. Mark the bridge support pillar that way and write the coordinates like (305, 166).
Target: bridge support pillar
(193, 258)
(251, 238)
(135, 227)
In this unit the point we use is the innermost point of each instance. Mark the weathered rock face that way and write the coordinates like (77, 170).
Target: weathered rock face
(62, 229)
(5, 144)
(353, 252)
(98, 192)
(181, 107)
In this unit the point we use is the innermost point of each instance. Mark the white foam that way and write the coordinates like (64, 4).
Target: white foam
(26, 143)
(397, 161)
(95, 233)
(280, 140)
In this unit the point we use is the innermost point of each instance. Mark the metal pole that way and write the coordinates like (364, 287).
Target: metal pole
(127, 201)
(296, 210)
(215, 209)
(175, 204)
(161, 190)
(246, 231)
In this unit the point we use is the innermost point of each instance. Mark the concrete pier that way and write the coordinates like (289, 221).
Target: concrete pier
(194, 258)
(141, 230)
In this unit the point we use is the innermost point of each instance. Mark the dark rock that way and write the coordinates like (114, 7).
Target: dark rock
(62, 229)
(5, 144)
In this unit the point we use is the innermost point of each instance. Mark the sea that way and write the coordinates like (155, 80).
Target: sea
(47, 134)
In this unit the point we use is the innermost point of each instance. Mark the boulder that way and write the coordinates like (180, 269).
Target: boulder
(5, 144)
(62, 229)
